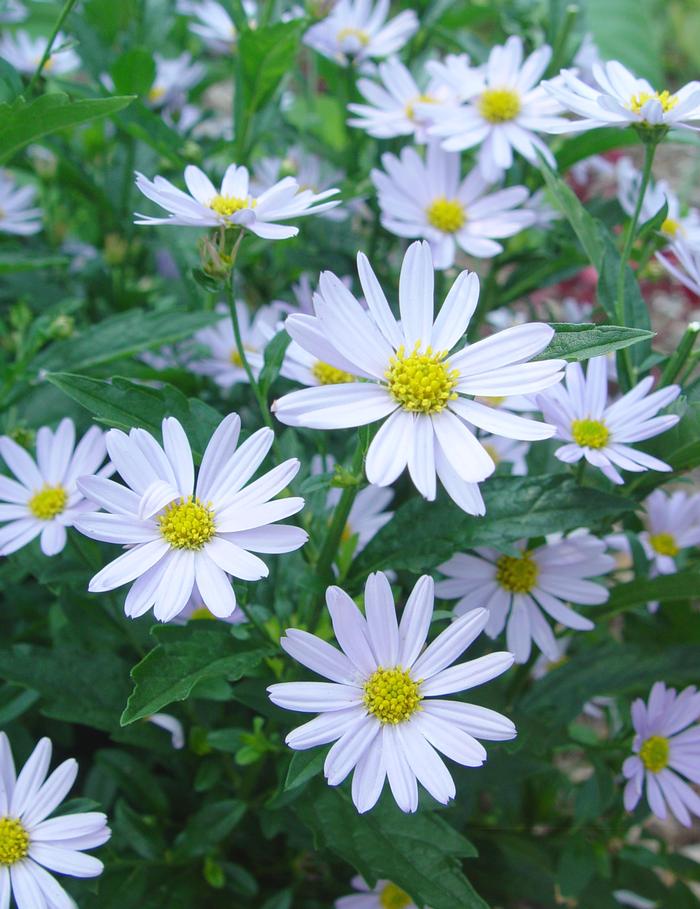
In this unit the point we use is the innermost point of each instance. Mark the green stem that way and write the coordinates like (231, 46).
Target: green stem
(676, 362)
(559, 49)
(63, 15)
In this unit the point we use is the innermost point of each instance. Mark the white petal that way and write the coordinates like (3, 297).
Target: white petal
(313, 697)
(416, 295)
(450, 643)
(128, 566)
(468, 675)
(31, 778)
(402, 779)
(349, 748)
(415, 621)
(381, 619)
(351, 631)
(318, 656)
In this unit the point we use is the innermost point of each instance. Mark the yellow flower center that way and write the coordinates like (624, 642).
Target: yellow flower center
(48, 502)
(446, 214)
(492, 400)
(156, 93)
(235, 356)
(359, 34)
(187, 524)
(517, 574)
(330, 375)
(498, 105)
(664, 544)
(665, 98)
(670, 227)
(391, 695)
(655, 753)
(201, 614)
(14, 841)
(421, 382)
(393, 897)
(410, 108)
(590, 433)
(229, 205)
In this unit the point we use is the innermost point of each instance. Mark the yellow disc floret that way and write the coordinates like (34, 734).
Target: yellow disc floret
(421, 382)
(665, 98)
(359, 34)
(655, 753)
(499, 105)
(664, 543)
(187, 523)
(14, 841)
(330, 375)
(229, 205)
(156, 93)
(48, 502)
(391, 695)
(447, 215)
(517, 574)
(669, 227)
(590, 433)
(410, 107)
(393, 897)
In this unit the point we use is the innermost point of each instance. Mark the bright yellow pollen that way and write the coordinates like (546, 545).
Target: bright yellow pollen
(349, 32)
(14, 841)
(590, 433)
(330, 375)
(655, 753)
(446, 214)
(664, 544)
(493, 400)
(666, 99)
(393, 897)
(235, 356)
(187, 524)
(499, 105)
(670, 227)
(421, 382)
(391, 695)
(156, 93)
(517, 574)
(48, 502)
(200, 614)
(410, 108)
(229, 205)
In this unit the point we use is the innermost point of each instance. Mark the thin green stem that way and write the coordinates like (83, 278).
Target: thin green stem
(63, 15)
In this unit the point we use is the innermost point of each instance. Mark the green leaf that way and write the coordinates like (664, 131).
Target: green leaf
(10, 81)
(274, 356)
(584, 225)
(122, 335)
(13, 262)
(134, 71)
(579, 342)
(420, 853)
(623, 31)
(208, 827)
(636, 311)
(23, 123)
(304, 766)
(183, 657)
(418, 539)
(683, 585)
(123, 405)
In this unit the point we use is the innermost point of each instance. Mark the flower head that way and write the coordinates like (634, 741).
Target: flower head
(232, 205)
(504, 109)
(17, 216)
(174, 78)
(409, 375)
(32, 842)
(685, 265)
(25, 53)
(183, 534)
(665, 751)
(520, 589)
(384, 895)
(618, 98)
(380, 708)
(601, 432)
(212, 23)
(356, 31)
(45, 498)
(428, 199)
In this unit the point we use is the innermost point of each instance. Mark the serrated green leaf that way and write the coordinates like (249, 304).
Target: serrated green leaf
(183, 657)
(582, 341)
(23, 123)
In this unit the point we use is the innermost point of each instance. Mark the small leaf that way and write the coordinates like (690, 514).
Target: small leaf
(582, 341)
(134, 71)
(304, 766)
(583, 224)
(274, 357)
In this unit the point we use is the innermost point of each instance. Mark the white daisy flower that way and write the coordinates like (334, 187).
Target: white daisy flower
(233, 205)
(507, 451)
(506, 109)
(17, 214)
(675, 226)
(25, 53)
(685, 267)
(174, 78)
(12, 11)
(379, 708)
(45, 499)
(31, 843)
(618, 98)
(356, 31)
(519, 590)
(179, 533)
(224, 364)
(428, 199)
(310, 172)
(396, 106)
(601, 432)
(404, 371)
(384, 895)
(214, 25)
(665, 751)
(457, 74)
